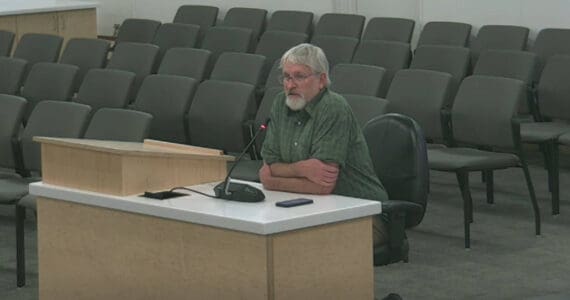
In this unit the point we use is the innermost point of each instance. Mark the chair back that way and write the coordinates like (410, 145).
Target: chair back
(499, 37)
(357, 79)
(37, 47)
(273, 44)
(167, 98)
(11, 75)
(338, 49)
(421, 95)
(553, 89)
(449, 59)
(134, 57)
(202, 15)
(226, 39)
(11, 114)
(170, 35)
(291, 21)
(483, 111)
(52, 119)
(347, 25)
(86, 54)
(48, 81)
(263, 113)
(137, 31)
(399, 155)
(115, 124)
(239, 67)
(366, 108)
(389, 29)
(6, 42)
(550, 42)
(445, 34)
(274, 75)
(105, 88)
(218, 113)
(244, 17)
(187, 62)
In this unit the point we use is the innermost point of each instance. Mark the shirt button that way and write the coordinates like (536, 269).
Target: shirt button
(295, 144)
(299, 123)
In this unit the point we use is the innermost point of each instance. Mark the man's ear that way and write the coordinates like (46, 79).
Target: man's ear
(322, 81)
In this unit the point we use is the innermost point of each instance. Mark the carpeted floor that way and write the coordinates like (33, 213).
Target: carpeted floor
(506, 259)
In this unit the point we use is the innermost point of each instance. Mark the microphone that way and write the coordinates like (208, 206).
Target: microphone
(238, 191)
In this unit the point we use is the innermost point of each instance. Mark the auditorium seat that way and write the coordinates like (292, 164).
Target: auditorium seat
(291, 21)
(11, 75)
(357, 79)
(6, 42)
(445, 34)
(36, 47)
(188, 62)
(105, 88)
(137, 31)
(389, 29)
(202, 15)
(86, 54)
(336, 24)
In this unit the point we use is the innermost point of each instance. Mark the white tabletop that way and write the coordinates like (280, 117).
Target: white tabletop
(259, 218)
(18, 7)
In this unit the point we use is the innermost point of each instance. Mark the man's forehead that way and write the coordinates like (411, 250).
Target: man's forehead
(289, 67)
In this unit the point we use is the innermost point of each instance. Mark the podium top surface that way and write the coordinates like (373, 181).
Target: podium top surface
(148, 148)
(39, 6)
(259, 218)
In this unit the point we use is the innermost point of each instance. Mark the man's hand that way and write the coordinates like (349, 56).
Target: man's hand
(318, 172)
(265, 175)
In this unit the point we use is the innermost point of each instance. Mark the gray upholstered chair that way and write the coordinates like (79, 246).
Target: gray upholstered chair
(338, 49)
(137, 31)
(217, 115)
(550, 42)
(52, 119)
(273, 44)
(449, 59)
(392, 56)
(170, 35)
(422, 95)
(553, 93)
(187, 62)
(494, 100)
(202, 15)
(366, 107)
(389, 29)
(36, 47)
(225, 39)
(11, 113)
(239, 67)
(274, 76)
(167, 98)
(445, 34)
(11, 75)
(347, 25)
(105, 88)
(245, 17)
(291, 21)
(116, 124)
(6, 42)
(134, 57)
(498, 37)
(398, 151)
(357, 79)
(86, 54)
(48, 81)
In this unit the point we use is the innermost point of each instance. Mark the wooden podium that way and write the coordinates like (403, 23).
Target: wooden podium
(97, 239)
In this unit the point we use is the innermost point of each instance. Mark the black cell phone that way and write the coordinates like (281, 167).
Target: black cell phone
(294, 202)
(163, 195)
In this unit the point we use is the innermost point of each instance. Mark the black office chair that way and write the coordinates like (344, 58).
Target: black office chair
(399, 155)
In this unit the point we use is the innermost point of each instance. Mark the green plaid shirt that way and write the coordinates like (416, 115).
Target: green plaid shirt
(325, 129)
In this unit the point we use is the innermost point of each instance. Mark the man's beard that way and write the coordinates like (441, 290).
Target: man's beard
(297, 103)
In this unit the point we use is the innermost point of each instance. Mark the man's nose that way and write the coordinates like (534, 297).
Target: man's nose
(288, 84)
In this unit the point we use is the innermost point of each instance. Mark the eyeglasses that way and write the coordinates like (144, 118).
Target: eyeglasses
(297, 78)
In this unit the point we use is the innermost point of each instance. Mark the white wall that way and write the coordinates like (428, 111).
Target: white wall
(535, 14)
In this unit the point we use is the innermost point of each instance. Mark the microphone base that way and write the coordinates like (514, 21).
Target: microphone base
(239, 192)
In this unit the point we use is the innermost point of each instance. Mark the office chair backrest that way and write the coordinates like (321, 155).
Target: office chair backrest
(11, 75)
(389, 29)
(239, 67)
(399, 155)
(170, 35)
(36, 47)
(357, 79)
(134, 57)
(218, 112)
(421, 95)
(445, 34)
(550, 42)
(392, 56)
(291, 21)
(105, 88)
(6, 42)
(137, 31)
(250, 18)
(86, 54)
(52, 119)
(338, 49)
(115, 124)
(167, 98)
(483, 111)
(187, 62)
(201, 15)
(499, 37)
(11, 114)
(366, 108)
(553, 89)
(48, 81)
(347, 25)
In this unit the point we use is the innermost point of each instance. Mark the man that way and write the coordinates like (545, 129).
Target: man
(314, 144)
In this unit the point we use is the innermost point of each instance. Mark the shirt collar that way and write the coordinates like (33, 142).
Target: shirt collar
(311, 106)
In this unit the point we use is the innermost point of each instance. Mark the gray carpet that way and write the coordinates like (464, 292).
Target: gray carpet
(506, 260)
